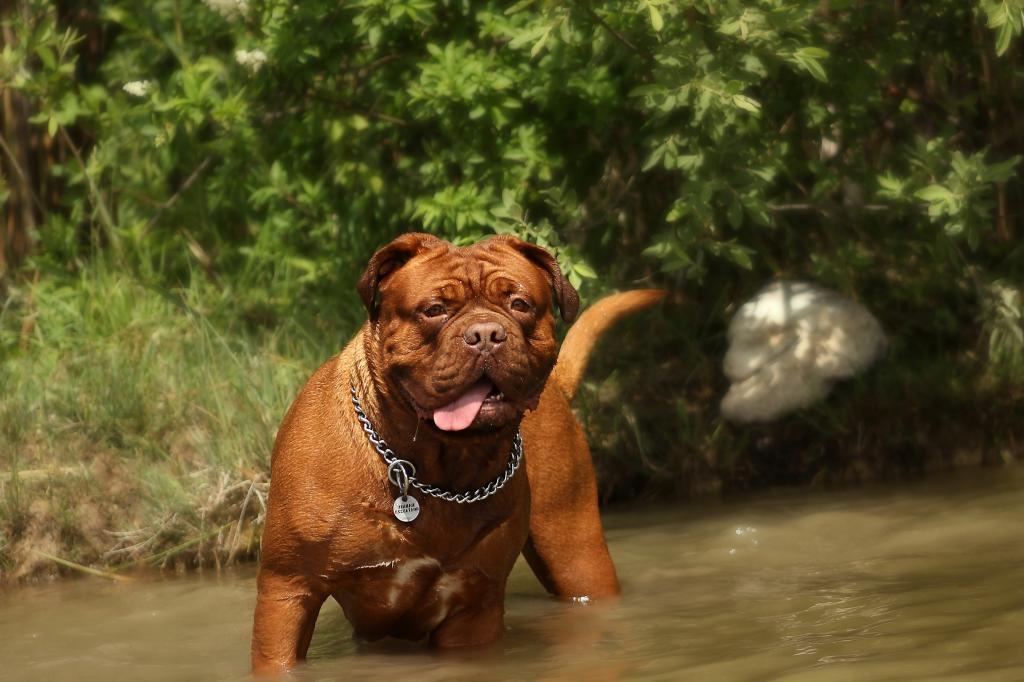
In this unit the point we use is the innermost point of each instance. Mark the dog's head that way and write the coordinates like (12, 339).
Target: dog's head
(466, 335)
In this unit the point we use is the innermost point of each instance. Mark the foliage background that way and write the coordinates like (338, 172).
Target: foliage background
(190, 190)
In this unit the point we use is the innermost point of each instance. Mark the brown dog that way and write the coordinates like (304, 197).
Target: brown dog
(459, 345)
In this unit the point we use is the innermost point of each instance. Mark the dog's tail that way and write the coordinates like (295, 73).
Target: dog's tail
(588, 329)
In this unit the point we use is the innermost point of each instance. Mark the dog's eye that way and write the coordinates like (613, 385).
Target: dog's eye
(520, 305)
(435, 310)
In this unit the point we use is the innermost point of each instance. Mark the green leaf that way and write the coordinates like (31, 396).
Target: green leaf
(647, 89)
(741, 256)
(811, 65)
(1003, 171)
(519, 6)
(934, 193)
(658, 250)
(890, 183)
(528, 36)
(1003, 38)
(46, 56)
(584, 270)
(813, 52)
(730, 28)
(657, 23)
(656, 156)
(539, 45)
(746, 103)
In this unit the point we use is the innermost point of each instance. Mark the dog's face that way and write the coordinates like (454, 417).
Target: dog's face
(465, 335)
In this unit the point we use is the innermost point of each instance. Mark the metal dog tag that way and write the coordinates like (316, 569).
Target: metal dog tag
(406, 508)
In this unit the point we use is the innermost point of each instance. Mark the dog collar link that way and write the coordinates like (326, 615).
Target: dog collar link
(402, 473)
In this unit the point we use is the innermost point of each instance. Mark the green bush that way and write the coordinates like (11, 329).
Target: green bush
(274, 145)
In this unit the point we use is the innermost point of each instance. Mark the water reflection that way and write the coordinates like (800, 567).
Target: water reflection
(919, 582)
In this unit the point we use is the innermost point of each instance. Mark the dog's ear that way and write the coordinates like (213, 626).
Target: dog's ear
(386, 260)
(565, 293)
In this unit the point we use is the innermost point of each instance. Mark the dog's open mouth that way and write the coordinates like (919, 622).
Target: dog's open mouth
(461, 412)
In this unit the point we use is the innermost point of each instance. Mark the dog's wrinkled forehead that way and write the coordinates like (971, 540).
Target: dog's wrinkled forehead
(467, 273)
(416, 265)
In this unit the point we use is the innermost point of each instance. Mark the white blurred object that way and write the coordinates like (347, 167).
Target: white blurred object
(787, 346)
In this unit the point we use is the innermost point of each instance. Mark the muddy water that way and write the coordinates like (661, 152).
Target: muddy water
(922, 581)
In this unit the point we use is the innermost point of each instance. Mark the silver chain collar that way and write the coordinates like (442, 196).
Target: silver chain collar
(402, 473)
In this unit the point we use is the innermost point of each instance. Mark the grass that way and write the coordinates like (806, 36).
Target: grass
(133, 429)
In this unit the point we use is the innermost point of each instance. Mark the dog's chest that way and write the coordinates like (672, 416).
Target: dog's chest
(409, 597)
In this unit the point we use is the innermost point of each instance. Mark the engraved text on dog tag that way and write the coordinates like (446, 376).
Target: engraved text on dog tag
(406, 508)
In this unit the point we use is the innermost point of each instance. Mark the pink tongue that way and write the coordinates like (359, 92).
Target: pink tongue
(461, 412)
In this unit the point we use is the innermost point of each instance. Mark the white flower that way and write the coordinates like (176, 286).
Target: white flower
(251, 59)
(229, 9)
(138, 88)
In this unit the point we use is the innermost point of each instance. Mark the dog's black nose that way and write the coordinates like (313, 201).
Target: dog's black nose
(484, 336)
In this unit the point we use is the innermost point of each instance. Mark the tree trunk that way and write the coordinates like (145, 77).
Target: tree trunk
(18, 146)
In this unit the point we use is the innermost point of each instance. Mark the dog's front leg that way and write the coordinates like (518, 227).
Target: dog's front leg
(286, 611)
(470, 629)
